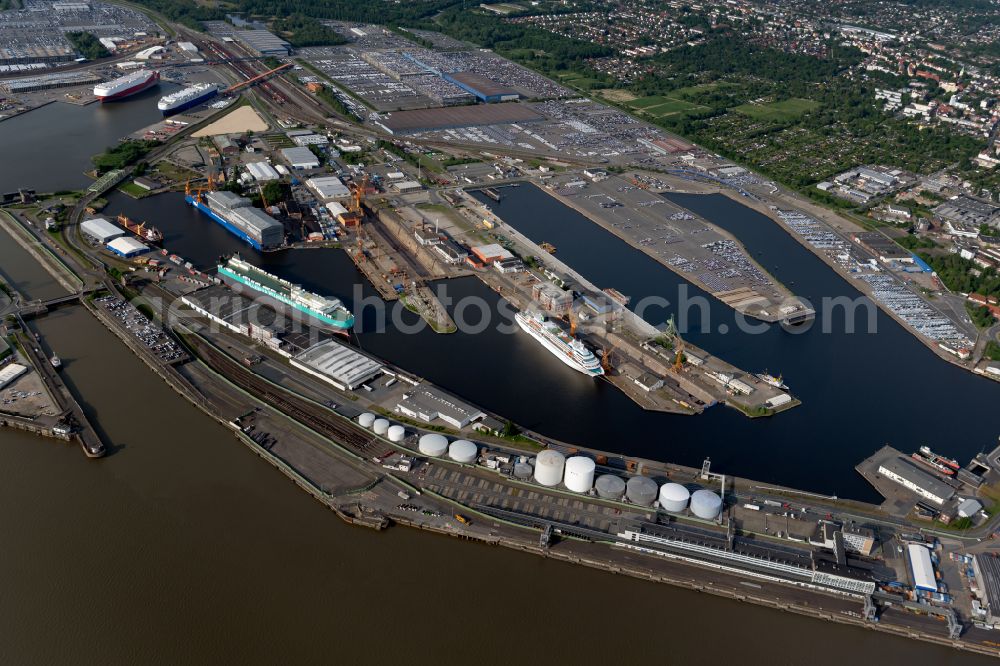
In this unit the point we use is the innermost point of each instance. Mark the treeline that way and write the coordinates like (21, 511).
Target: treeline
(403, 13)
(957, 274)
(186, 12)
(301, 30)
(125, 153)
(537, 48)
(87, 45)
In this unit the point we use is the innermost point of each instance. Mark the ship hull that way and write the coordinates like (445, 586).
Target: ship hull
(292, 309)
(225, 224)
(128, 92)
(184, 106)
(561, 354)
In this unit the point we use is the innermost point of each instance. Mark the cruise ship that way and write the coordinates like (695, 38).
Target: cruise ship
(329, 313)
(235, 214)
(127, 85)
(178, 101)
(567, 348)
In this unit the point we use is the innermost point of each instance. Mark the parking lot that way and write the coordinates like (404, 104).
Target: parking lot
(142, 329)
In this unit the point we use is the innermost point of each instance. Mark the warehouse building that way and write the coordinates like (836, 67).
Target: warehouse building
(263, 42)
(337, 364)
(101, 230)
(917, 480)
(484, 89)
(328, 187)
(127, 247)
(922, 568)
(10, 372)
(454, 117)
(300, 158)
(426, 404)
(987, 571)
(262, 172)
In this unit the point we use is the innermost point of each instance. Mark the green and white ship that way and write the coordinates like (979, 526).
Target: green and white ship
(328, 312)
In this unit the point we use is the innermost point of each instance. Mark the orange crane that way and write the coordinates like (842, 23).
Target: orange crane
(679, 356)
(572, 323)
(606, 358)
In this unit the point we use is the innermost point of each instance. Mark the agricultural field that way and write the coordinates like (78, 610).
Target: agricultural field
(662, 106)
(788, 109)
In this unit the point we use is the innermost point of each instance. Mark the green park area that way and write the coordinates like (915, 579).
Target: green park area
(787, 109)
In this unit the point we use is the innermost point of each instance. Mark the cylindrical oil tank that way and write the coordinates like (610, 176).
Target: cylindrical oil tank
(463, 451)
(549, 466)
(674, 497)
(641, 490)
(522, 471)
(396, 433)
(579, 474)
(380, 426)
(433, 444)
(610, 487)
(706, 504)
(366, 420)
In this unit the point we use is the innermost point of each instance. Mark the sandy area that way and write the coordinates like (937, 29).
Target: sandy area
(617, 95)
(237, 122)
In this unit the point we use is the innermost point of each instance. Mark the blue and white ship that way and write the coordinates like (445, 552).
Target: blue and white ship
(239, 218)
(328, 312)
(566, 347)
(189, 97)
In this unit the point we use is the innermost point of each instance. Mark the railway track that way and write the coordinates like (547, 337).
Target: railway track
(337, 429)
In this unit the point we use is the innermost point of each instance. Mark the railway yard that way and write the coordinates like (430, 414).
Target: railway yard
(402, 182)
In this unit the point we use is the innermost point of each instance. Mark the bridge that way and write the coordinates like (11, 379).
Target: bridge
(38, 307)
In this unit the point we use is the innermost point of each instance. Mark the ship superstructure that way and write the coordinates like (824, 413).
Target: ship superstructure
(127, 85)
(189, 97)
(327, 311)
(564, 346)
(239, 218)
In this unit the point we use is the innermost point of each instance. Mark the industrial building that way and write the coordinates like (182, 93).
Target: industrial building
(328, 187)
(337, 364)
(300, 158)
(262, 172)
(127, 247)
(428, 120)
(11, 372)
(986, 568)
(483, 88)
(263, 42)
(917, 480)
(427, 403)
(968, 211)
(859, 540)
(101, 230)
(922, 567)
(487, 254)
(46, 81)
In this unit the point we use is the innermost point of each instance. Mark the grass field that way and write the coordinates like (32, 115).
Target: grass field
(788, 109)
(661, 106)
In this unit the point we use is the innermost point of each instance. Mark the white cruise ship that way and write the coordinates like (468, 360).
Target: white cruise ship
(568, 349)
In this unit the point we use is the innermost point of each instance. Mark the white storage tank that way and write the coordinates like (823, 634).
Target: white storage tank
(706, 504)
(674, 497)
(433, 444)
(549, 466)
(366, 420)
(641, 490)
(522, 471)
(396, 433)
(610, 487)
(579, 474)
(380, 426)
(463, 451)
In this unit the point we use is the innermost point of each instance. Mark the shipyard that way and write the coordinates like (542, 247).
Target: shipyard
(437, 289)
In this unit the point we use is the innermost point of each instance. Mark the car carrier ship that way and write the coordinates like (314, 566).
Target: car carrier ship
(239, 218)
(127, 85)
(327, 312)
(567, 348)
(184, 99)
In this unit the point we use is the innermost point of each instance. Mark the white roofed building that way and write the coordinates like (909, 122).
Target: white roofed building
(328, 187)
(101, 230)
(337, 364)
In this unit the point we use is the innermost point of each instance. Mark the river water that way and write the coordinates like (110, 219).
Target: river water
(49, 149)
(183, 547)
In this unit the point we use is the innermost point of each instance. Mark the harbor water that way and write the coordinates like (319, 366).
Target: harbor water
(859, 391)
(49, 149)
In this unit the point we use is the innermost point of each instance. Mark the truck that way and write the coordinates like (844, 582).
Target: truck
(752, 507)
